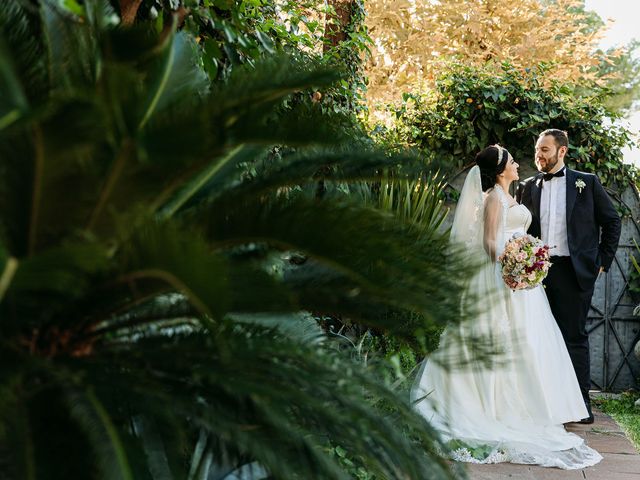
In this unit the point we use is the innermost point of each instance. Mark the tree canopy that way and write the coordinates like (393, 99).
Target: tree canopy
(415, 40)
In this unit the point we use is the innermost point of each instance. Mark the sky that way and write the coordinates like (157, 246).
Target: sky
(625, 15)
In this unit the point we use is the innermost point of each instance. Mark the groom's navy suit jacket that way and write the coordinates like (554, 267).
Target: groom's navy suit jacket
(593, 225)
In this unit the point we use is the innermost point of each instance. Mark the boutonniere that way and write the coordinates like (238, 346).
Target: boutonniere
(580, 184)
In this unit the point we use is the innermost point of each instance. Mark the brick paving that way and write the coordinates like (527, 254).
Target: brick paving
(621, 460)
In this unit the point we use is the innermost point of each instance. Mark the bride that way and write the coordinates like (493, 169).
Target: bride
(513, 409)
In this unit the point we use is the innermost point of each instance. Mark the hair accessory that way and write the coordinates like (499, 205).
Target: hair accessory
(500, 153)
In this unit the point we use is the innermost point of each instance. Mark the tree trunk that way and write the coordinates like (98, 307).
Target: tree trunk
(336, 24)
(129, 10)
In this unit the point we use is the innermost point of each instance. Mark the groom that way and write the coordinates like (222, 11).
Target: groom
(573, 214)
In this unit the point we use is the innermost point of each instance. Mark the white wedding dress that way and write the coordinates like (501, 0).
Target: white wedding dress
(513, 409)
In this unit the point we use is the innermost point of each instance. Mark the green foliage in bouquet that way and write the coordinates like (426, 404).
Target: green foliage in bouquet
(140, 214)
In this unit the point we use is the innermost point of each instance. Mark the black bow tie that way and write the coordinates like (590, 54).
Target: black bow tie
(548, 176)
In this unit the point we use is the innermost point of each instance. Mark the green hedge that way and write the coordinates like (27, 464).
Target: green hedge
(475, 107)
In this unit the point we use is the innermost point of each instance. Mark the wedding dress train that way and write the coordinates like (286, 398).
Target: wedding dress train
(514, 409)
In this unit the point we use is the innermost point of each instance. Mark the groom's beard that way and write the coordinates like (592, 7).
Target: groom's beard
(549, 165)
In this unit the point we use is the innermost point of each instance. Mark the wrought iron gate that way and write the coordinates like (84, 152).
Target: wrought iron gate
(613, 329)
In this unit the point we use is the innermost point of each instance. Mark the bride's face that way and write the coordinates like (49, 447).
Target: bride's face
(510, 172)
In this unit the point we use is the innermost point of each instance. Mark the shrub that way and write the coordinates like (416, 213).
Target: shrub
(473, 107)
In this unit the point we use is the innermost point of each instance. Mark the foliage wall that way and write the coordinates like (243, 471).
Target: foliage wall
(475, 107)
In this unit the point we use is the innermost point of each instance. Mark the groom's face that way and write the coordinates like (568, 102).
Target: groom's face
(548, 154)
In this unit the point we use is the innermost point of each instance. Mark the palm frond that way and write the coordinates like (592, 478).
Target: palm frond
(340, 164)
(110, 451)
(412, 271)
(60, 275)
(17, 456)
(72, 60)
(24, 75)
(164, 254)
(286, 410)
(146, 310)
(301, 326)
(268, 83)
(8, 267)
(176, 75)
(13, 102)
(419, 202)
(154, 448)
(216, 177)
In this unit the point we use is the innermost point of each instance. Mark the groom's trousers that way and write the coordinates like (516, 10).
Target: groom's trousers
(570, 306)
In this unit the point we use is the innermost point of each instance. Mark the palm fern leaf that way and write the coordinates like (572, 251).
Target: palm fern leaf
(144, 299)
(111, 453)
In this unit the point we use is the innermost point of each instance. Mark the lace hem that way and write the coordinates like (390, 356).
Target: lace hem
(575, 458)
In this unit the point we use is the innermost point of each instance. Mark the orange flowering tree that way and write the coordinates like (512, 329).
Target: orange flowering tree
(415, 39)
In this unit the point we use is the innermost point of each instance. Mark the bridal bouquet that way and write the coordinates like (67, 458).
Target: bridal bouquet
(525, 262)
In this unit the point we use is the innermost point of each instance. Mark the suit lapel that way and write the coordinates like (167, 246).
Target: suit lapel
(571, 192)
(536, 190)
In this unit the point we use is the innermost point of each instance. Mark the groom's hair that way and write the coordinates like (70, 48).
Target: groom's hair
(560, 136)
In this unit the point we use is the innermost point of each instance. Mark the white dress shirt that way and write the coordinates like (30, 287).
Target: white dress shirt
(553, 215)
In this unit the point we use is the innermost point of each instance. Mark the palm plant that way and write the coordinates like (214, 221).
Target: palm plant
(418, 202)
(140, 210)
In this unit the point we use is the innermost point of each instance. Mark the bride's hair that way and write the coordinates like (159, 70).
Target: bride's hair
(492, 162)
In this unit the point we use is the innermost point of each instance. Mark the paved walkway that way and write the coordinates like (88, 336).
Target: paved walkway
(621, 461)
